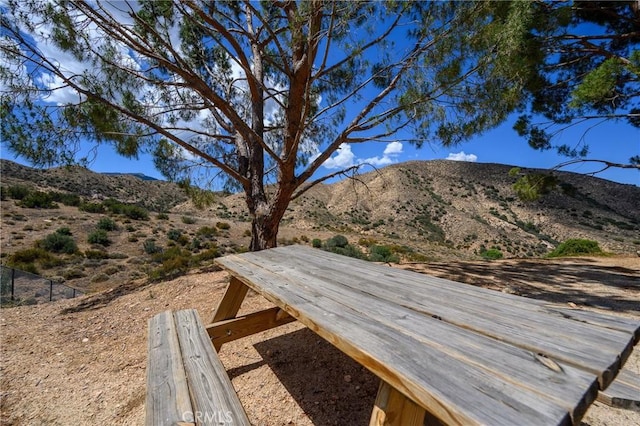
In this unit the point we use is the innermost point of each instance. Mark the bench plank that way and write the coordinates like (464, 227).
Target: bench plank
(624, 392)
(212, 394)
(167, 392)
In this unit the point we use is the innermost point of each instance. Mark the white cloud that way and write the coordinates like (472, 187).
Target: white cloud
(461, 156)
(344, 158)
(393, 148)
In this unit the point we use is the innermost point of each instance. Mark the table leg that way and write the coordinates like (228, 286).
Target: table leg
(231, 301)
(394, 409)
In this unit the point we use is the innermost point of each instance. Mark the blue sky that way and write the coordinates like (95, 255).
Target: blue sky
(613, 141)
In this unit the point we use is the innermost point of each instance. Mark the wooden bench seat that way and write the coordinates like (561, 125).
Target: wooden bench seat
(624, 392)
(186, 382)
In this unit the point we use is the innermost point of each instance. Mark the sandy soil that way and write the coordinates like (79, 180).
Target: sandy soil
(82, 361)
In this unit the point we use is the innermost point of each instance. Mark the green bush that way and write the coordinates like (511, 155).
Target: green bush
(223, 225)
(576, 247)
(26, 260)
(107, 224)
(96, 254)
(136, 213)
(66, 198)
(174, 234)
(92, 207)
(162, 216)
(99, 236)
(64, 231)
(58, 243)
(150, 247)
(337, 241)
(207, 232)
(382, 254)
(491, 254)
(316, 242)
(18, 192)
(38, 200)
(188, 220)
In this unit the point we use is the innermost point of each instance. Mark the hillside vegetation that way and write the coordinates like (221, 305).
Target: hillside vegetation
(96, 231)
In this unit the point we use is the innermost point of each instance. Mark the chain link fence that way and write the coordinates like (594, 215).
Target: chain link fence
(24, 288)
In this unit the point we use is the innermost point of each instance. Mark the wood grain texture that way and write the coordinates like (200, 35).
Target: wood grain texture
(392, 408)
(213, 397)
(231, 301)
(167, 392)
(624, 392)
(584, 344)
(466, 354)
(236, 328)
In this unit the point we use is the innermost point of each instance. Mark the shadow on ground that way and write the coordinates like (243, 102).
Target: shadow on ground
(329, 387)
(580, 281)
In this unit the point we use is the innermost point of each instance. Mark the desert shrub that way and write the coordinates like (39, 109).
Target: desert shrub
(73, 273)
(383, 254)
(96, 254)
(92, 207)
(576, 247)
(207, 232)
(491, 254)
(38, 200)
(26, 259)
(107, 224)
(350, 251)
(174, 260)
(131, 211)
(66, 198)
(316, 242)
(99, 236)
(18, 192)
(150, 247)
(196, 244)
(64, 231)
(58, 243)
(223, 225)
(136, 213)
(246, 233)
(208, 254)
(174, 234)
(162, 216)
(100, 278)
(339, 241)
(188, 220)
(367, 242)
(4, 193)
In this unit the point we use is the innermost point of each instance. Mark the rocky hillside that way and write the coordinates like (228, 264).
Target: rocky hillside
(436, 210)
(468, 207)
(154, 195)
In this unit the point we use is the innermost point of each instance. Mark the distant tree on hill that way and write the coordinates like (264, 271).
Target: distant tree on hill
(260, 92)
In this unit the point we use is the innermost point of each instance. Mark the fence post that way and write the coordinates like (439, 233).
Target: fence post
(50, 290)
(13, 277)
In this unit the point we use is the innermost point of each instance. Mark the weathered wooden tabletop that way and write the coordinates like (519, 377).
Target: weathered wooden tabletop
(467, 355)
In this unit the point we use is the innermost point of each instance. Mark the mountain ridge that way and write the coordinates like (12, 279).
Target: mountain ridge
(423, 211)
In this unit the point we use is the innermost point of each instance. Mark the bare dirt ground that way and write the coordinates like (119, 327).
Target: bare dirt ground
(83, 361)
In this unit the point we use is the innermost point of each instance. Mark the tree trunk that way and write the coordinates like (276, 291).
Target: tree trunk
(264, 233)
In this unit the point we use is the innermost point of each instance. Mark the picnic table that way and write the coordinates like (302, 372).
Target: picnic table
(446, 352)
